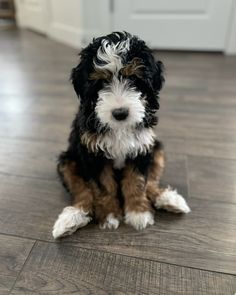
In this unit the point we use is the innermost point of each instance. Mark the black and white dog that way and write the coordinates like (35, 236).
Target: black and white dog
(113, 163)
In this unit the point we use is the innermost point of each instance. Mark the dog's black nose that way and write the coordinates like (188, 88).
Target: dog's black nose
(120, 114)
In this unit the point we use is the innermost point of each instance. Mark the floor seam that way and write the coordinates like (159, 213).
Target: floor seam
(18, 275)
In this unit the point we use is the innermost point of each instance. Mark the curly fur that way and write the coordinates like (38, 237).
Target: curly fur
(110, 158)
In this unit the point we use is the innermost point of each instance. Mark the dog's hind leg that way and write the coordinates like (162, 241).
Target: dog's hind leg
(79, 214)
(163, 198)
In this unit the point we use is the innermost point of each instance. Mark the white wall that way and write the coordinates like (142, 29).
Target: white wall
(74, 22)
(66, 21)
(32, 14)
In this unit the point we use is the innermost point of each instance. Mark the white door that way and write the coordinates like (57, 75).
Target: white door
(175, 24)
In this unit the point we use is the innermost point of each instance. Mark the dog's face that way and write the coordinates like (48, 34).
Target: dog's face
(118, 82)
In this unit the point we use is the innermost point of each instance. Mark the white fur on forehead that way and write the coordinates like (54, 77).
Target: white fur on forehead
(109, 55)
(119, 88)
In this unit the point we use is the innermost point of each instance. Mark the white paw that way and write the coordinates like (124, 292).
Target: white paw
(111, 222)
(139, 220)
(69, 221)
(171, 201)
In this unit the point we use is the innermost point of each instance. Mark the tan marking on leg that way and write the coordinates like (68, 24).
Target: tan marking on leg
(154, 175)
(153, 190)
(78, 215)
(80, 190)
(134, 190)
(157, 167)
(106, 201)
(165, 198)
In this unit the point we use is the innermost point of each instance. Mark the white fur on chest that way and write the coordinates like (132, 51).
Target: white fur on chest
(123, 143)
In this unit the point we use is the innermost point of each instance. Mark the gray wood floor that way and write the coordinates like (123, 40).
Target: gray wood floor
(193, 254)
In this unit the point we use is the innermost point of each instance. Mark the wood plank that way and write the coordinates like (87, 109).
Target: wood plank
(199, 147)
(27, 206)
(63, 269)
(175, 173)
(199, 129)
(39, 89)
(6, 283)
(29, 158)
(211, 178)
(197, 117)
(36, 118)
(30, 126)
(13, 254)
(205, 238)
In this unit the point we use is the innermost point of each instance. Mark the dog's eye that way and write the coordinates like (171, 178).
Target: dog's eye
(132, 77)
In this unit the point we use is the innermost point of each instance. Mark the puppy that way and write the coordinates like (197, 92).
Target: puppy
(114, 162)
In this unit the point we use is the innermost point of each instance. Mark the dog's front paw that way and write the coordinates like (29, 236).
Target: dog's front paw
(171, 201)
(111, 222)
(139, 220)
(69, 221)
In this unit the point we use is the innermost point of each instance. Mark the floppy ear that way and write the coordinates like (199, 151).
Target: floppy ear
(154, 71)
(78, 78)
(80, 74)
(158, 76)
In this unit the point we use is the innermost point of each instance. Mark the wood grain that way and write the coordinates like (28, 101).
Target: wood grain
(69, 270)
(34, 126)
(13, 254)
(29, 158)
(27, 205)
(6, 283)
(175, 173)
(204, 239)
(211, 178)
